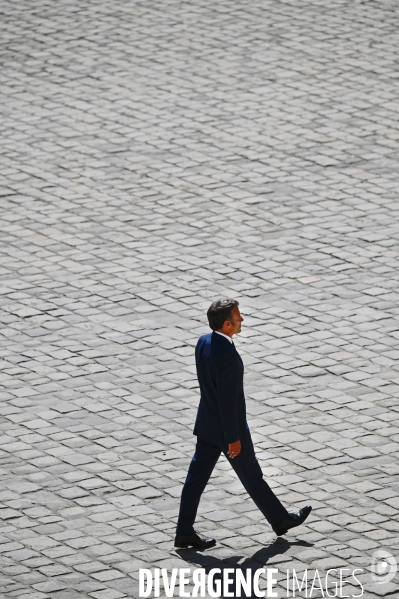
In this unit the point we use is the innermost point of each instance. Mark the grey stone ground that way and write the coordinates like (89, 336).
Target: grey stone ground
(156, 155)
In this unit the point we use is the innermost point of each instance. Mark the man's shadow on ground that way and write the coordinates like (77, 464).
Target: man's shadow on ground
(258, 560)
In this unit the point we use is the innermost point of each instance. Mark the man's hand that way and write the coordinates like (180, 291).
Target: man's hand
(234, 449)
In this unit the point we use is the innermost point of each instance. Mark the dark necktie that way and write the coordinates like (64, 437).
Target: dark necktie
(235, 349)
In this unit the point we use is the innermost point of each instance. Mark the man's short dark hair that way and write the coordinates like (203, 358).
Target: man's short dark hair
(220, 311)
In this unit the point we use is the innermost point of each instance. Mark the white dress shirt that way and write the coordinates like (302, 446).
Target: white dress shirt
(223, 335)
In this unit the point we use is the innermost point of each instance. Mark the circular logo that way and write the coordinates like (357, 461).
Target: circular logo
(383, 566)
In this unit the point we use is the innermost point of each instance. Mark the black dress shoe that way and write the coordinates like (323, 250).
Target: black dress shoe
(183, 541)
(292, 520)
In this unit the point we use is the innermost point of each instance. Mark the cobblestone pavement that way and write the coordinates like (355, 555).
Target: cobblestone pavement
(155, 156)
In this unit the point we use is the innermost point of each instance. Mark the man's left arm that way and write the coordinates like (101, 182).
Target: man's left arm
(234, 449)
(227, 381)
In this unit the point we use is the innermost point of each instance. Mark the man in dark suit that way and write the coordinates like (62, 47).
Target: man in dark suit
(221, 426)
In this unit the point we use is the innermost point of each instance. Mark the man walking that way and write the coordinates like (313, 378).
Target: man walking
(221, 426)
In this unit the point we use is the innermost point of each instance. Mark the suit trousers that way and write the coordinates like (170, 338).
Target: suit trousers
(248, 471)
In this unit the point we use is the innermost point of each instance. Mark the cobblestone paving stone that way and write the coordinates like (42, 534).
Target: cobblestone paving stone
(155, 156)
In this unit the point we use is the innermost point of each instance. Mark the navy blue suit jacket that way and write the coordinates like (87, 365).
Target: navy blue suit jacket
(221, 417)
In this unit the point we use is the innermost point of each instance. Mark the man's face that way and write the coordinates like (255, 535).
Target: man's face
(237, 319)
